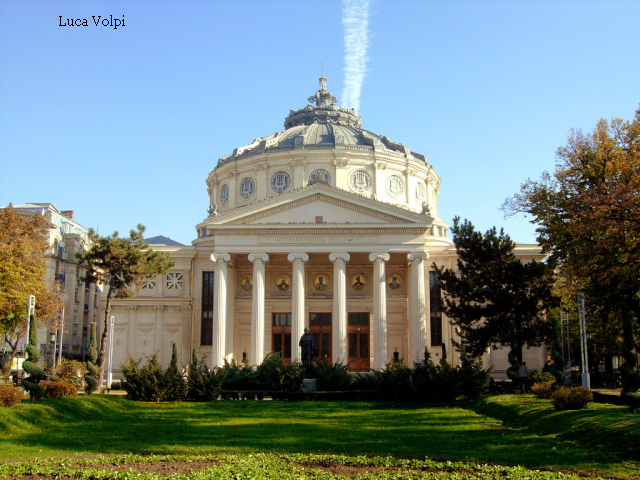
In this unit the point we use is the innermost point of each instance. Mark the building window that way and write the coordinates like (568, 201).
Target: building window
(174, 281)
(435, 298)
(281, 335)
(206, 321)
(148, 283)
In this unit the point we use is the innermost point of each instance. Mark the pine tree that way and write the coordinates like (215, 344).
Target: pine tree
(630, 375)
(491, 288)
(513, 370)
(175, 386)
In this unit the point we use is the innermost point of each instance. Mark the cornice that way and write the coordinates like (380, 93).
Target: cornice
(268, 230)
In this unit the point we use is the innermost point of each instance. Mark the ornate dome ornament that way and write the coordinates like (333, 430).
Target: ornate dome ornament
(319, 175)
(224, 194)
(247, 187)
(421, 192)
(280, 182)
(360, 181)
(395, 185)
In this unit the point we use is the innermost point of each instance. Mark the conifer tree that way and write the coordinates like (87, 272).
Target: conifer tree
(91, 377)
(30, 366)
(630, 375)
(557, 369)
(491, 288)
(512, 371)
(174, 383)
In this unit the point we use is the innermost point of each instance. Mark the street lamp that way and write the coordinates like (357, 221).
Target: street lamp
(30, 311)
(586, 381)
(109, 372)
(66, 297)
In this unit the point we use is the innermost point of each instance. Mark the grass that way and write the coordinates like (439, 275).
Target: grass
(513, 430)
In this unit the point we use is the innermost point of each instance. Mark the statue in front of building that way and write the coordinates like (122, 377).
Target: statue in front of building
(306, 344)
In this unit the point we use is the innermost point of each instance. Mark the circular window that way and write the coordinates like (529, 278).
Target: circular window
(320, 176)
(224, 194)
(421, 192)
(280, 182)
(247, 187)
(360, 181)
(395, 185)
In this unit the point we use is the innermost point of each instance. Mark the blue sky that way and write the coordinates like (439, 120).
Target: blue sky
(123, 126)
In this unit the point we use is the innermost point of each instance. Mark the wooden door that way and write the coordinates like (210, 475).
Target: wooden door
(281, 336)
(320, 326)
(358, 333)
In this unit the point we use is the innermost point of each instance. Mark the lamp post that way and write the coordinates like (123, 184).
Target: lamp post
(586, 381)
(30, 311)
(66, 297)
(109, 371)
(564, 318)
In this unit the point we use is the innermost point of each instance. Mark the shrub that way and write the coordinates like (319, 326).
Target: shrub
(58, 389)
(174, 384)
(394, 382)
(146, 383)
(278, 376)
(473, 380)
(203, 385)
(575, 398)
(543, 390)
(536, 376)
(10, 396)
(424, 375)
(92, 354)
(447, 384)
(71, 371)
(332, 378)
(35, 373)
(239, 374)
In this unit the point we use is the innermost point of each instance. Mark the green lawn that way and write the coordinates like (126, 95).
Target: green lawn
(527, 431)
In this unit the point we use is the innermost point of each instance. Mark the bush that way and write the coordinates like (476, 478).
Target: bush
(571, 398)
(394, 382)
(71, 371)
(204, 385)
(543, 390)
(332, 378)
(424, 375)
(144, 383)
(536, 376)
(10, 396)
(473, 380)
(278, 376)
(58, 389)
(239, 374)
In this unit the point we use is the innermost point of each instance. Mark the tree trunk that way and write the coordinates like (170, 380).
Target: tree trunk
(103, 340)
(14, 349)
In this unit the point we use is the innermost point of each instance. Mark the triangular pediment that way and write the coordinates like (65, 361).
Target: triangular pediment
(334, 205)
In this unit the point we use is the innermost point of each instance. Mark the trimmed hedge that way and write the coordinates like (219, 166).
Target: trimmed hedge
(58, 389)
(543, 390)
(10, 396)
(575, 398)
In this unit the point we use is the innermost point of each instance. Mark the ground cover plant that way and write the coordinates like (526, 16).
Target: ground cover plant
(264, 465)
(58, 428)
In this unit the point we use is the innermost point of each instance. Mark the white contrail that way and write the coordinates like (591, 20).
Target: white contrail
(355, 20)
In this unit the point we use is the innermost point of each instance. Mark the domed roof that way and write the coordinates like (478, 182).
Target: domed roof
(321, 124)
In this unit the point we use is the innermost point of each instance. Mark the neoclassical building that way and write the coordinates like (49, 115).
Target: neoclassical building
(323, 225)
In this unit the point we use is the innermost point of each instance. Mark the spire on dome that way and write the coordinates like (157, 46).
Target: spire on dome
(322, 98)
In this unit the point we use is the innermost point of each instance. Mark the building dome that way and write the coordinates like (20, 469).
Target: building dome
(325, 143)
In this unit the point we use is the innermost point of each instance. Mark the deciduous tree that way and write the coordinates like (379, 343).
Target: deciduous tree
(492, 288)
(119, 263)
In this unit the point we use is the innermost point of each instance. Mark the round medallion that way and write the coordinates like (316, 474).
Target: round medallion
(320, 175)
(360, 181)
(358, 281)
(394, 282)
(224, 194)
(280, 182)
(283, 282)
(247, 187)
(395, 185)
(246, 283)
(320, 283)
(421, 192)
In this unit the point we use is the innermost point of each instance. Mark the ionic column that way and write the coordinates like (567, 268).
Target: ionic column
(339, 341)
(418, 333)
(297, 306)
(379, 310)
(219, 308)
(257, 307)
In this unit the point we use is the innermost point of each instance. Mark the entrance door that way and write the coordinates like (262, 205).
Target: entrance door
(358, 331)
(320, 326)
(281, 336)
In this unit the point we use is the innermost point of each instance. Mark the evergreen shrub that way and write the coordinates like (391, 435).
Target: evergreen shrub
(575, 398)
(174, 385)
(240, 376)
(203, 385)
(543, 389)
(91, 377)
(394, 382)
(146, 383)
(34, 373)
(58, 389)
(10, 396)
(278, 376)
(473, 380)
(332, 378)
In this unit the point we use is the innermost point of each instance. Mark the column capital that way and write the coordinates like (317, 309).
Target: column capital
(339, 256)
(415, 256)
(384, 256)
(298, 256)
(217, 257)
(258, 256)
